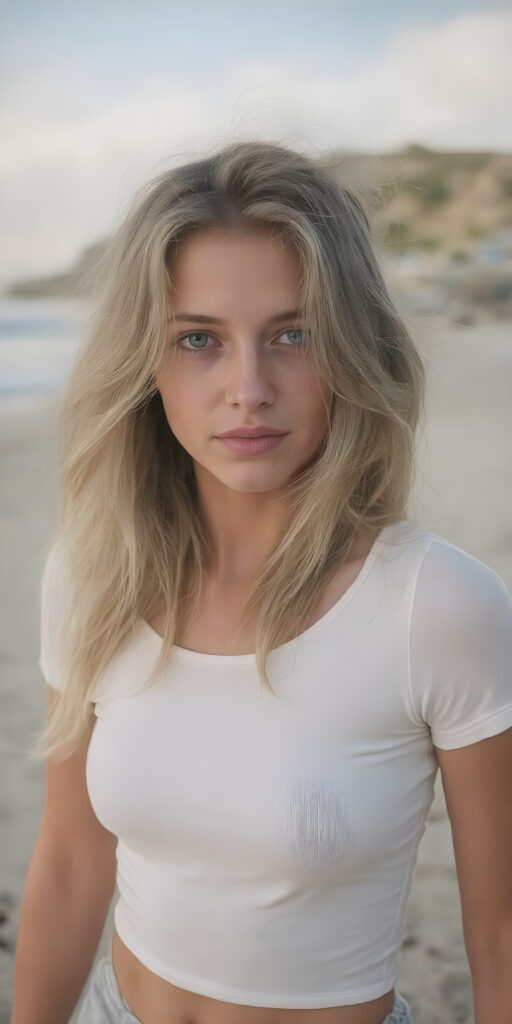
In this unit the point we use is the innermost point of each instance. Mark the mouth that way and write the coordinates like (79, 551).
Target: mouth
(248, 433)
(256, 445)
(248, 437)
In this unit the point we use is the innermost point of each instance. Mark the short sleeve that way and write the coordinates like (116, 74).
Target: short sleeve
(52, 603)
(460, 647)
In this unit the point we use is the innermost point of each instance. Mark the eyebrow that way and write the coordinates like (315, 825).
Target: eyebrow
(201, 318)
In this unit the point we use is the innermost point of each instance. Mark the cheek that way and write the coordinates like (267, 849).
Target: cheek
(311, 396)
(181, 393)
(185, 405)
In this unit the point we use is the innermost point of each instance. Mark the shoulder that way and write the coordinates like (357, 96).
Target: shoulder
(53, 603)
(54, 565)
(460, 646)
(455, 589)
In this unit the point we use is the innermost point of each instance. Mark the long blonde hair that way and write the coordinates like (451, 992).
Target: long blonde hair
(127, 516)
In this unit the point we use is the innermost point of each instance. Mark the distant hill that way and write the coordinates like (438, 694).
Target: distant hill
(70, 283)
(431, 200)
(422, 199)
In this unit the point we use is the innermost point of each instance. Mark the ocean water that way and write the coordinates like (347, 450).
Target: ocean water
(39, 339)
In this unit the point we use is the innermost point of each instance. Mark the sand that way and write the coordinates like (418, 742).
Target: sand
(463, 491)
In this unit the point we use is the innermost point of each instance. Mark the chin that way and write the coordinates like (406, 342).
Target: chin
(256, 483)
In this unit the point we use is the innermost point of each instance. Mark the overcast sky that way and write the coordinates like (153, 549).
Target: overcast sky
(97, 97)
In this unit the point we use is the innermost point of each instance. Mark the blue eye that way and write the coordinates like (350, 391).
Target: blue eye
(195, 334)
(200, 334)
(296, 330)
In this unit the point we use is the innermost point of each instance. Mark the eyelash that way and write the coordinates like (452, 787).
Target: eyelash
(182, 337)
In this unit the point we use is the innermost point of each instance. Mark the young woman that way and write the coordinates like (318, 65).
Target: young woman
(256, 660)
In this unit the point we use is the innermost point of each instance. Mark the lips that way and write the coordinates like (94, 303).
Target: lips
(253, 445)
(253, 432)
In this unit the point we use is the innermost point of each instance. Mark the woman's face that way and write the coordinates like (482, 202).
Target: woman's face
(235, 358)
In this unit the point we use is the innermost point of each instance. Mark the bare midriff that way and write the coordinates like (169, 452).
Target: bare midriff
(153, 1000)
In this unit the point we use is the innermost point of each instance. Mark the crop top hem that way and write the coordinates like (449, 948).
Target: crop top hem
(246, 997)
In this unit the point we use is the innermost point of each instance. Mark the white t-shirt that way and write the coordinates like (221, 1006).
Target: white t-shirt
(266, 846)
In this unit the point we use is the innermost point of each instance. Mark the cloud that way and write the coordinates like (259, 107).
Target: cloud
(74, 152)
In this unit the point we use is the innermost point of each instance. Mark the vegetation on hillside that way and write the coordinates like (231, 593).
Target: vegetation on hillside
(433, 200)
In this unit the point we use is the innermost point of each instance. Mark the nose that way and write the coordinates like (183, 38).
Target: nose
(249, 380)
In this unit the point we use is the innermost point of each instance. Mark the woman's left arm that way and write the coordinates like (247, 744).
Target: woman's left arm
(477, 783)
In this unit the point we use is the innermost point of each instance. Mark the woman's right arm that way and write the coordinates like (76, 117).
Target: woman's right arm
(68, 888)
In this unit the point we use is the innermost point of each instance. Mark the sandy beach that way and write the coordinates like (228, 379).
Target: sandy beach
(463, 491)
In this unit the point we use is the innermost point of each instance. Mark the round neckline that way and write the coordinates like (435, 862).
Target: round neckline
(250, 659)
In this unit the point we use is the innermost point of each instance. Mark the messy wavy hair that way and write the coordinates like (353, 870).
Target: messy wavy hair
(128, 519)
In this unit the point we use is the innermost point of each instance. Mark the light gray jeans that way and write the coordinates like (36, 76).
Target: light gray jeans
(104, 1004)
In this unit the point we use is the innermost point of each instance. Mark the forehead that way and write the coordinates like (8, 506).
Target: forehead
(220, 259)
